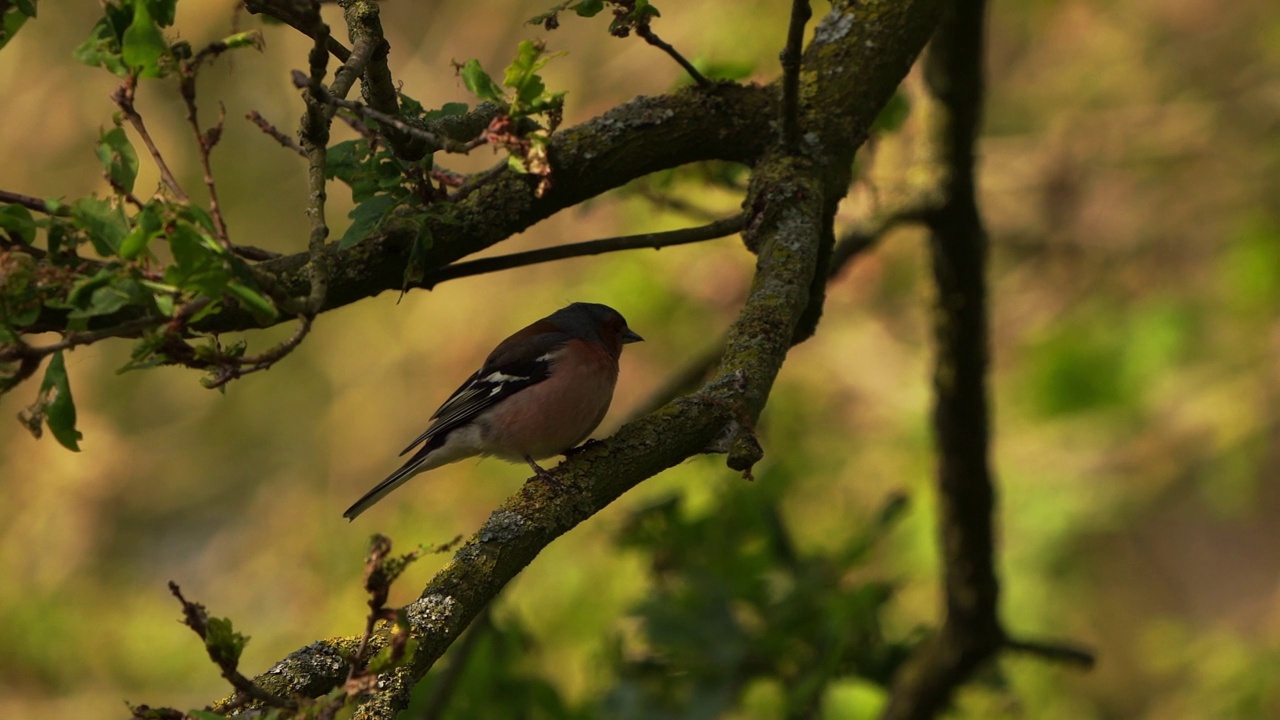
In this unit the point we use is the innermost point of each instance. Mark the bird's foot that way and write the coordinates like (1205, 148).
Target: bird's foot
(543, 474)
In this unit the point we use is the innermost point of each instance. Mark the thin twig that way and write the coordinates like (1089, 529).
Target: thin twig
(123, 98)
(256, 254)
(206, 141)
(364, 23)
(649, 36)
(197, 618)
(26, 201)
(864, 235)
(315, 141)
(239, 367)
(289, 13)
(265, 126)
(17, 351)
(658, 240)
(1056, 651)
(790, 57)
(671, 202)
(444, 143)
(352, 68)
(122, 191)
(853, 244)
(478, 181)
(971, 631)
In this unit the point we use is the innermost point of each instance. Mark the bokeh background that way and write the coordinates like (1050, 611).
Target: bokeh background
(1131, 182)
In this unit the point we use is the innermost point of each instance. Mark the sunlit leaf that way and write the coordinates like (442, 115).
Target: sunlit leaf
(147, 225)
(143, 45)
(102, 47)
(479, 83)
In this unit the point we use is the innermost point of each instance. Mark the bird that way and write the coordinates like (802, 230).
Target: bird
(538, 394)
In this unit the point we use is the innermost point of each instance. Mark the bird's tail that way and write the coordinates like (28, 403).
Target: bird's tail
(395, 480)
(438, 450)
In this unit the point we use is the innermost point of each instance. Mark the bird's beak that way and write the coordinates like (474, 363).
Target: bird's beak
(630, 336)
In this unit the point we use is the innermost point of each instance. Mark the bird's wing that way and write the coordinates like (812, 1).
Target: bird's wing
(503, 375)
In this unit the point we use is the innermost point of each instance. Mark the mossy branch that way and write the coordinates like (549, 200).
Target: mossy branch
(787, 223)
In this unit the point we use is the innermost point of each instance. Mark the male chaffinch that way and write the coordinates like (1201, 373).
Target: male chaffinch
(540, 392)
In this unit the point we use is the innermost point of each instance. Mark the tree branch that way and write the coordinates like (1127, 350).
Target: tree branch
(391, 123)
(971, 632)
(294, 15)
(787, 219)
(1063, 652)
(790, 57)
(26, 201)
(658, 240)
(630, 141)
(648, 35)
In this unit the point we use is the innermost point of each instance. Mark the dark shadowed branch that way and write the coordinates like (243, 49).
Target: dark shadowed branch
(790, 56)
(646, 33)
(657, 240)
(971, 632)
(298, 16)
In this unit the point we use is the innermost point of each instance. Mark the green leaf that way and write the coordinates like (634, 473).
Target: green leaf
(197, 265)
(251, 38)
(18, 222)
(521, 76)
(367, 217)
(104, 298)
(416, 268)
(143, 45)
(147, 225)
(102, 48)
(452, 109)
(19, 293)
(146, 352)
(119, 158)
(588, 8)
(263, 309)
(162, 11)
(201, 217)
(525, 64)
(14, 18)
(205, 715)
(104, 223)
(345, 159)
(479, 82)
(60, 409)
(645, 11)
(224, 643)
